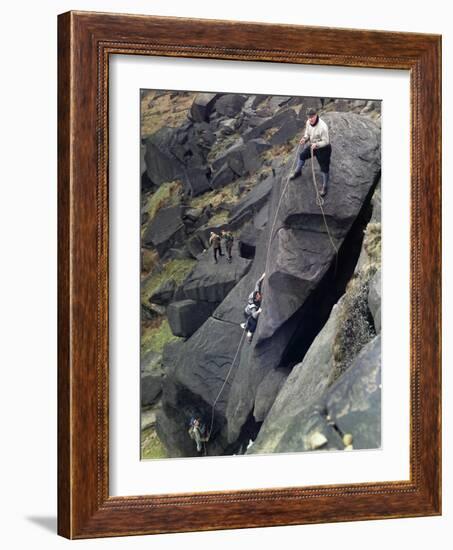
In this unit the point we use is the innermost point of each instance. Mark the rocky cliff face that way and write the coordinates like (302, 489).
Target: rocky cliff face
(310, 377)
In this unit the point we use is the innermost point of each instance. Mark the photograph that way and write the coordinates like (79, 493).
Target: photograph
(260, 275)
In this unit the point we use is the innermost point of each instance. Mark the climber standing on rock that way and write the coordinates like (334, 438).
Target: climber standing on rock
(316, 141)
(229, 239)
(215, 242)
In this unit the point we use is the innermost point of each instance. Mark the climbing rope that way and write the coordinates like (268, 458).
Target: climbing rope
(224, 383)
(320, 203)
(279, 204)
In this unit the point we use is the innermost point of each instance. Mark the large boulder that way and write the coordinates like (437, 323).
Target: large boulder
(186, 316)
(304, 248)
(303, 276)
(251, 154)
(276, 121)
(230, 104)
(232, 157)
(197, 383)
(211, 282)
(165, 229)
(202, 106)
(223, 176)
(318, 421)
(161, 163)
(151, 377)
(252, 202)
(196, 181)
(164, 293)
(306, 383)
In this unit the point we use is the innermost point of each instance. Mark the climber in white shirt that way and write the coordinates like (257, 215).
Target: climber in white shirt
(316, 139)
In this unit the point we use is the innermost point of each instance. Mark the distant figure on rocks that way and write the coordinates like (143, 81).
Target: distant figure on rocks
(208, 211)
(316, 137)
(229, 239)
(215, 242)
(198, 432)
(253, 309)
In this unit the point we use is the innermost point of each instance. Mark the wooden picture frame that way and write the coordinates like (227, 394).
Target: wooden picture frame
(85, 41)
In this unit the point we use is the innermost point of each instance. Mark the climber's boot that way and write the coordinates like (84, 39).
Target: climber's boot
(325, 181)
(298, 170)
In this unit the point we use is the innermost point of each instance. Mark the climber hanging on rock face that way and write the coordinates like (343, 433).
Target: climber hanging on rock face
(198, 431)
(253, 309)
(316, 139)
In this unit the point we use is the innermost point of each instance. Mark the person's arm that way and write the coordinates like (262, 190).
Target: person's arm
(256, 313)
(259, 283)
(324, 136)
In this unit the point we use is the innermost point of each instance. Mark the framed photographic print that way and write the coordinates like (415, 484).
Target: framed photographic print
(249, 275)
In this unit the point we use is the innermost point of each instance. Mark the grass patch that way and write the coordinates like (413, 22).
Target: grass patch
(267, 135)
(355, 325)
(166, 195)
(150, 259)
(152, 447)
(283, 150)
(155, 338)
(226, 195)
(372, 244)
(164, 109)
(176, 270)
(221, 145)
(220, 218)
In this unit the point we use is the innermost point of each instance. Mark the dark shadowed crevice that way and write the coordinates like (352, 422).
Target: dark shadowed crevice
(315, 312)
(249, 432)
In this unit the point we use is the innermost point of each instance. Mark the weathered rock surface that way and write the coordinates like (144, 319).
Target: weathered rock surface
(230, 104)
(186, 316)
(252, 202)
(352, 405)
(202, 106)
(151, 377)
(164, 293)
(301, 283)
(303, 248)
(296, 293)
(165, 230)
(211, 282)
(374, 300)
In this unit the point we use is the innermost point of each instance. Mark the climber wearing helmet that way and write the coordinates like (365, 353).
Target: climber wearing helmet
(316, 137)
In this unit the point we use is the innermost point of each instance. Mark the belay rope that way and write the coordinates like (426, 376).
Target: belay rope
(224, 383)
(320, 203)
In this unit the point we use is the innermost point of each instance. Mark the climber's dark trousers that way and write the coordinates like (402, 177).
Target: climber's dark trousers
(322, 155)
(229, 248)
(217, 251)
(250, 323)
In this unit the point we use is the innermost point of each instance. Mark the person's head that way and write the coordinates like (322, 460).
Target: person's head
(223, 231)
(257, 297)
(312, 115)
